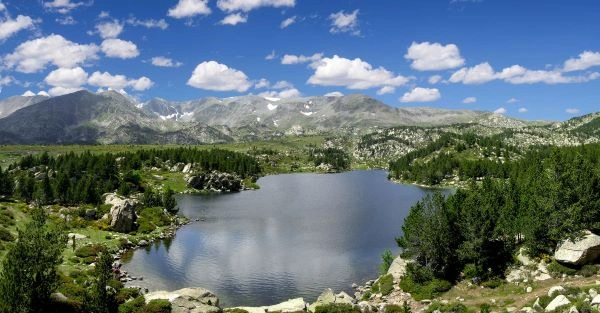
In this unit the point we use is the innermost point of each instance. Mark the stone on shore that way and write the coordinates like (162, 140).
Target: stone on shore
(290, 306)
(188, 300)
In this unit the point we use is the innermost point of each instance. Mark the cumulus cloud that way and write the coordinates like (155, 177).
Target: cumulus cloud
(34, 55)
(150, 23)
(64, 6)
(212, 75)
(262, 83)
(512, 101)
(165, 62)
(6, 80)
(109, 29)
(572, 111)
(386, 90)
(117, 48)
(27, 93)
(66, 20)
(353, 74)
(584, 61)
(66, 80)
(334, 94)
(500, 110)
(9, 26)
(342, 22)
(189, 8)
(249, 5)
(523, 110)
(435, 79)
(286, 93)
(234, 19)
(2, 7)
(297, 59)
(469, 100)
(288, 21)
(427, 56)
(118, 82)
(479, 74)
(59, 91)
(420, 94)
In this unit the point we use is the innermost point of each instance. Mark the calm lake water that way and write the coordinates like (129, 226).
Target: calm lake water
(294, 237)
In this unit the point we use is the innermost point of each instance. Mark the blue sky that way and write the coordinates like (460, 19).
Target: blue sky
(527, 59)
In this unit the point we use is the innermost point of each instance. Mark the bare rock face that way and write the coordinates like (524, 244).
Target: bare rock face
(122, 215)
(579, 252)
(215, 181)
(188, 300)
(289, 306)
(398, 268)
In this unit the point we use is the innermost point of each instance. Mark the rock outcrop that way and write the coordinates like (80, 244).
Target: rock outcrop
(290, 306)
(580, 251)
(188, 300)
(215, 181)
(328, 297)
(122, 215)
(398, 268)
(556, 303)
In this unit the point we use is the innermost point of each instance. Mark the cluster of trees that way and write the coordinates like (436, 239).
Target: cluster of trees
(337, 158)
(73, 179)
(551, 194)
(450, 161)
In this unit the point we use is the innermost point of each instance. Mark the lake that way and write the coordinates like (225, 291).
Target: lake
(295, 236)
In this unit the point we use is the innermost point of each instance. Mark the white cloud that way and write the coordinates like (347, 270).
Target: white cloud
(118, 82)
(117, 48)
(479, 74)
(249, 5)
(435, 79)
(150, 23)
(68, 78)
(288, 21)
(500, 110)
(386, 90)
(585, 60)
(43, 93)
(189, 8)
(27, 93)
(141, 83)
(549, 77)
(353, 74)
(66, 20)
(344, 22)
(427, 56)
(469, 100)
(421, 95)
(212, 75)
(234, 19)
(64, 6)
(2, 7)
(282, 84)
(103, 14)
(334, 94)
(297, 59)
(165, 62)
(33, 55)
(572, 111)
(523, 110)
(262, 83)
(11, 26)
(59, 91)
(109, 29)
(512, 101)
(286, 93)
(271, 55)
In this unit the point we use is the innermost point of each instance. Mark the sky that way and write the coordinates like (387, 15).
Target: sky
(535, 60)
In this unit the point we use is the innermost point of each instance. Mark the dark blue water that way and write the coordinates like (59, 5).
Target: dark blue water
(294, 237)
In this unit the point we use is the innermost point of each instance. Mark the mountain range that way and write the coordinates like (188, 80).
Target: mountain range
(111, 117)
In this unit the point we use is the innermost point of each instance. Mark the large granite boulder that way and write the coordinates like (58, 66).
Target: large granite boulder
(580, 251)
(329, 297)
(557, 302)
(188, 300)
(398, 268)
(290, 306)
(122, 215)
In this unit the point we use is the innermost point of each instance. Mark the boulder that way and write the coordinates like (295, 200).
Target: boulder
(592, 292)
(523, 258)
(187, 168)
(398, 268)
(536, 305)
(559, 301)
(595, 300)
(122, 215)
(326, 297)
(580, 251)
(365, 307)
(556, 290)
(215, 181)
(58, 297)
(188, 300)
(573, 309)
(289, 306)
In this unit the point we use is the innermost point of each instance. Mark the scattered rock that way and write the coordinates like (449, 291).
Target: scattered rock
(398, 268)
(187, 168)
(528, 289)
(58, 297)
(536, 305)
(595, 300)
(290, 306)
(143, 243)
(573, 309)
(523, 258)
(559, 301)
(592, 292)
(215, 181)
(579, 252)
(188, 300)
(326, 297)
(527, 309)
(556, 290)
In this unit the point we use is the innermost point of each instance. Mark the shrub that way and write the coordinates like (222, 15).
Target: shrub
(386, 261)
(556, 269)
(450, 307)
(133, 306)
(470, 271)
(588, 270)
(493, 283)
(427, 290)
(157, 306)
(88, 251)
(5, 235)
(151, 218)
(386, 284)
(336, 308)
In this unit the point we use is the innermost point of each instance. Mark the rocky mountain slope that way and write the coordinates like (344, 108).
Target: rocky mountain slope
(10, 105)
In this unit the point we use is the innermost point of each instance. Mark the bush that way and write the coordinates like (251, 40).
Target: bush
(88, 251)
(556, 269)
(336, 308)
(386, 261)
(470, 271)
(5, 235)
(493, 283)
(386, 284)
(427, 290)
(588, 270)
(157, 306)
(450, 307)
(151, 218)
(133, 306)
